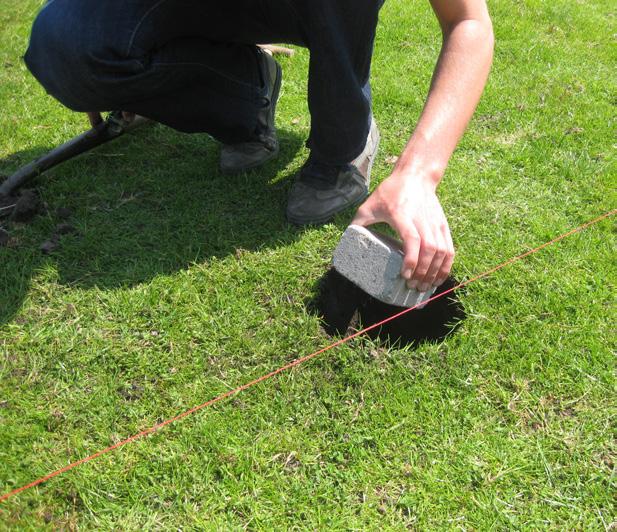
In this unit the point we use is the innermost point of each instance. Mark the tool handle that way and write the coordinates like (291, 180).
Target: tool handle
(113, 127)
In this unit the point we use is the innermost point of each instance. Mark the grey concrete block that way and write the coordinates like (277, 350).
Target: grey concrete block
(373, 262)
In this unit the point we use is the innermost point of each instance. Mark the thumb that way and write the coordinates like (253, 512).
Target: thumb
(365, 217)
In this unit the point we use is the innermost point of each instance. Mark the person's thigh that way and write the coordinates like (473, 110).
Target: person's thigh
(71, 39)
(84, 51)
(131, 28)
(231, 21)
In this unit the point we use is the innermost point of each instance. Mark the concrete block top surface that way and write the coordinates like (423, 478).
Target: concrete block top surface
(373, 262)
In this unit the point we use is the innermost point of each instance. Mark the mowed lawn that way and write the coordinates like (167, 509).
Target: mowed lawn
(183, 283)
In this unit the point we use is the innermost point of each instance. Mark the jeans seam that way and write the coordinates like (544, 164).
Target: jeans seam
(143, 18)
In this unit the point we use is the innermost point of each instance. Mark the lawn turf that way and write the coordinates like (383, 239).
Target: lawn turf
(183, 283)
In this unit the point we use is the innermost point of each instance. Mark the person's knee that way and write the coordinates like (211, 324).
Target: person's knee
(59, 56)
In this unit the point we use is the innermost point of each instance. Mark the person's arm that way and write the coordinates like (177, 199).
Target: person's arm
(406, 200)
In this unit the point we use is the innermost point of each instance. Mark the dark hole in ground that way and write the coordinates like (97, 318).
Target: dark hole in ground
(343, 308)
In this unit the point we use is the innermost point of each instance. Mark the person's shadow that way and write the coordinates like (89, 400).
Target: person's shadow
(150, 203)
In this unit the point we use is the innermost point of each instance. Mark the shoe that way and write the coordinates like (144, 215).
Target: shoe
(246, 155)
(321, 191)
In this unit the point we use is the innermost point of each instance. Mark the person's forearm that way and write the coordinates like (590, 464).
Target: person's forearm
(407, 199)
(458, 81)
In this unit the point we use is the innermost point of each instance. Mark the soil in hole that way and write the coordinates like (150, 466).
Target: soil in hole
(345, 308)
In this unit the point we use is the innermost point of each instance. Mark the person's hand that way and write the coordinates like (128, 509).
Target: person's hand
(95, 117)
(407, 200)
(408, 204)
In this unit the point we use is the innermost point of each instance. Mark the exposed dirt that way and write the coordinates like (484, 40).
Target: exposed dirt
(21, 207)
(343, 306)
(7, 205)
(65, 229)
(28, 205)
(51, 245)
(131, 392)
(63, 213)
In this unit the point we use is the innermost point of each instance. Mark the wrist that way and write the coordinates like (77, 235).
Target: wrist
(418, 161)
(428, 174)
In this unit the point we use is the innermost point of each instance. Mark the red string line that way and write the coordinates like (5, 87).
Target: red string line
(292, 364)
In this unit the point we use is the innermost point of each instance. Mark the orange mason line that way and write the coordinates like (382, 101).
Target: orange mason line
(296, 362)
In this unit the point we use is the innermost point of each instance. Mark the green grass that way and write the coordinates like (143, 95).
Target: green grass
(178, 289)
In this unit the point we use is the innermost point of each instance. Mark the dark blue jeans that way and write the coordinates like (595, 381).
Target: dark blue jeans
(192, 64)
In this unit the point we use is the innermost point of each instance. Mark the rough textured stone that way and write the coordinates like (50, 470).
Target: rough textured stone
(373, 262)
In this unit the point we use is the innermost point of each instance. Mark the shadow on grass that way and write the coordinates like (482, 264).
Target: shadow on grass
(344, 309)
(148, 204)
